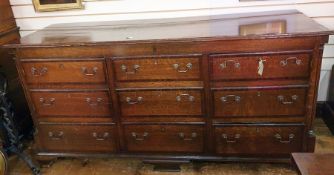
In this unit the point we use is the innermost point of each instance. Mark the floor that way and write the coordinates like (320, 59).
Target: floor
(324, 144)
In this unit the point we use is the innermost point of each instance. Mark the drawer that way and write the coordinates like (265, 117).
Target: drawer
(157, 69)
(259, 102)
(258, 139)
(76, 137)
(71, 103)
(168, 102)
(164, 138)
(64, 72)
(238, 67)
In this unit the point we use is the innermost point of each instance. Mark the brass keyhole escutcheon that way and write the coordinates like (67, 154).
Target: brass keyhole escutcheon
(61, 66)
(163, 129)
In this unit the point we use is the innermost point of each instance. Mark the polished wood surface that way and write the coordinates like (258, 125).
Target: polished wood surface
(180, 102)
(161, 138)
(258, 139)
(78, 103)
(7, 21)
(65, 72)
(277, 102)
(157, 69)
(314, 163)
(230, 66)
(219, 91)
(74, 138)
(201, 28)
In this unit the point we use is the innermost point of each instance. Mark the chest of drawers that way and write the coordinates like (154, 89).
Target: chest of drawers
(160, 91)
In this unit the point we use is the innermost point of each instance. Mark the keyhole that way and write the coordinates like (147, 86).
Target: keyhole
(61, 66)
(163, 129)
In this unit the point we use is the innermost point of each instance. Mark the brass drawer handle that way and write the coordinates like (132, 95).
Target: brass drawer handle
(39, 72)
(295, 59)
(102, 137)
(56, 136)
(279, 138)
(190, 97)
(178, 68)
(234, 140)
(192, 137)
(132, 102)
(225, 64)
(138, 138)
(283, 101)
(49, 102)
(225, 99)
(91, 102)
(134, 69)
(86, 72)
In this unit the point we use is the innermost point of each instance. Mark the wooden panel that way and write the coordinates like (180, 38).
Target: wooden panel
(258, 139)
(160, 102)
(69, 53)
(7, 21)
(76, 138)
(157, 69)
(65, 72)
(164, 138)
(71, 103)
(234, 66)
(259, 102)
(170, 48)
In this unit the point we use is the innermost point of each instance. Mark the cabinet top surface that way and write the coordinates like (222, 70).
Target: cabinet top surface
(234, 26)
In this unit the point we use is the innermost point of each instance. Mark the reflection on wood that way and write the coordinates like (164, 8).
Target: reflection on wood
(262, 28)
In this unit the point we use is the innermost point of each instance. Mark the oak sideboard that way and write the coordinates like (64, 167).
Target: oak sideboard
(238, 87)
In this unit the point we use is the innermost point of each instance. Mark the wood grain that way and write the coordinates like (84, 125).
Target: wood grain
(163, 111)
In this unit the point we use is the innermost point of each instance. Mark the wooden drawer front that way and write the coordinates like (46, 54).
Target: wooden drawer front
(175, 102)
(259, 102)
(71, 103)
(164, 138)
(258, 139)
(249, 67)
(76, 138)
(64, 72)
(157, 69)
